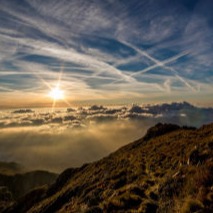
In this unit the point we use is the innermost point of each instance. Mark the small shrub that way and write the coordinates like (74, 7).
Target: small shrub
(123, 202)
(171, 187)
(119, 183)
(137, 191)
(149, 207)
(94, 209)
(210, 197)
(204, 175)
(153, 196)
(191, 205)
(131, 201)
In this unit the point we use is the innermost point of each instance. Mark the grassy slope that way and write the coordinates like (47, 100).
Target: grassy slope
(158, 173)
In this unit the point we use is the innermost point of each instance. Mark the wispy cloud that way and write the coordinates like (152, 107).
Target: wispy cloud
(104, 45)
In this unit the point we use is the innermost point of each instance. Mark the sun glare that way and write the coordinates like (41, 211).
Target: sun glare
(56, 94)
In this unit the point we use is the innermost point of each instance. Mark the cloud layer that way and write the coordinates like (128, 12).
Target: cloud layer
(83, 117)
(42, 139)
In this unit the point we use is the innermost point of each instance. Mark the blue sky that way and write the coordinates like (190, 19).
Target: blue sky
(112, 51)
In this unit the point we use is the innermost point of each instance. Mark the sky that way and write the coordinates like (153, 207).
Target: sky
(106, 51)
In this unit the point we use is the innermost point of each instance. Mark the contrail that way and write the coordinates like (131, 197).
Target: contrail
(161, 64)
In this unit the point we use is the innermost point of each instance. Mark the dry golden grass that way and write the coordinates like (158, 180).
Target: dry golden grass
(170, 170)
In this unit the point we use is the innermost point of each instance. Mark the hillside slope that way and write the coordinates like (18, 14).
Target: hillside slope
(10, 168)
(15, 183)
(169, 170)
(20, 184)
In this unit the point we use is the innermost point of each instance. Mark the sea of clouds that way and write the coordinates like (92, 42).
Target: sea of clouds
(61, 138)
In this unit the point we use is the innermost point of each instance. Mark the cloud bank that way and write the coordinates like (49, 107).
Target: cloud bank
(56, 150)
(42, 139)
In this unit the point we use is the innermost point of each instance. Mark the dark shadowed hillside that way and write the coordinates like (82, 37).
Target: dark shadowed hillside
(170, 169)
(10, 168)
(20, 184)
(15, 184)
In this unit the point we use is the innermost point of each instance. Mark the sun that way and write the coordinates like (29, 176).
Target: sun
(56, 93)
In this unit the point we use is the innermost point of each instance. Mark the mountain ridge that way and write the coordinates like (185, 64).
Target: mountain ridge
(168, 170)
